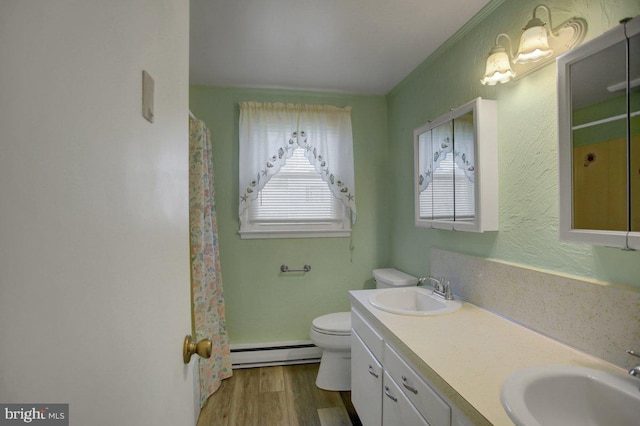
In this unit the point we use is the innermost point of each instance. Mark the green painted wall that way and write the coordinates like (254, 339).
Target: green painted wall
(527, 138)
(263, 305)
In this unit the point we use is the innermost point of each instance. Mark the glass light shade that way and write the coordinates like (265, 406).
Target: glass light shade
(498, 67)
(534, 44)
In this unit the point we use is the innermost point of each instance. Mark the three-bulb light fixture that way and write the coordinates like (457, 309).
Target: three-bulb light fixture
(538, 45)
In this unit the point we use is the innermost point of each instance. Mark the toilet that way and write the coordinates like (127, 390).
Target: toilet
(332, 334)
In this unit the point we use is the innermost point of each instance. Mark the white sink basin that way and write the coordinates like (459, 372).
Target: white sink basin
(564, 395)
(412, 301)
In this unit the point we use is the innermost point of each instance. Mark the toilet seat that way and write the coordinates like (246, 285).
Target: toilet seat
(336, 324)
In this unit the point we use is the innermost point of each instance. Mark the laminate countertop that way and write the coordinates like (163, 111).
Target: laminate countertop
(468, 354)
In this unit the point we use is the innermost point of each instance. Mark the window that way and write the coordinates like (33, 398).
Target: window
(296, 201)
(296, 171)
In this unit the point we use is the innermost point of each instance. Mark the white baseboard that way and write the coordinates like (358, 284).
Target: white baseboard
(248, 355)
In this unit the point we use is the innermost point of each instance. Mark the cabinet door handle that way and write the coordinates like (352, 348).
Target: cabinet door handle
(386, 392)
(410, 388)
(373, 373)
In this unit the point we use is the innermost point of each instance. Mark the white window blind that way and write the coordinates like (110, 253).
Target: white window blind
(438, 202)
(297, 194)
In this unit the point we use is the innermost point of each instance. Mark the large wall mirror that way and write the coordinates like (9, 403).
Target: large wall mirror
(456, 169)
(599, 139)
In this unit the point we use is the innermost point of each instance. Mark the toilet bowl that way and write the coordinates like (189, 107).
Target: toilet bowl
(332, 334)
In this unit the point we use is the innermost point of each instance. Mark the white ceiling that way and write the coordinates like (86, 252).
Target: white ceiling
(355, 46)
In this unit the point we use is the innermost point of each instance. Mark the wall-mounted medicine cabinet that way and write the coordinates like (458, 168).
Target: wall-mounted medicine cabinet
(456, 169)
(599, 139)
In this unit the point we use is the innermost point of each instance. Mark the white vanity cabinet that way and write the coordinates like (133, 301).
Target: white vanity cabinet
(386, 390)
(367, 347)
(366, 382)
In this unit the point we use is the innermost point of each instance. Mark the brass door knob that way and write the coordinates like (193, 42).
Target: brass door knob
(190, 347)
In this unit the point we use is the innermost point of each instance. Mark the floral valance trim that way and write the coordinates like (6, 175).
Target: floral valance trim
(460, 159)
(271, 167)
(275, 162)
(337, 186)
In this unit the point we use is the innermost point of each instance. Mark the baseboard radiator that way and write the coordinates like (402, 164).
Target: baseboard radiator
(248, 355)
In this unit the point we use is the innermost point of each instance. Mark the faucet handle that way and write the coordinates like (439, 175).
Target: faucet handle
(635, 371)
(448, 293)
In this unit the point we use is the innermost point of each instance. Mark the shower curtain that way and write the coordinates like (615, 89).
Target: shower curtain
(206, 279)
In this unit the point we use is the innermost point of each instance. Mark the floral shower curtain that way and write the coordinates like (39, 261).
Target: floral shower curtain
(206, 279)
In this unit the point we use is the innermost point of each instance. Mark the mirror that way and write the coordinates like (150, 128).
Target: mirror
(599, 129)
(436, 185)
(599, 141)
(446, 167)
(634, 130)
(464, 170)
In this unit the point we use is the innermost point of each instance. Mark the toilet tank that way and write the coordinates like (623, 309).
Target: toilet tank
(391, 277)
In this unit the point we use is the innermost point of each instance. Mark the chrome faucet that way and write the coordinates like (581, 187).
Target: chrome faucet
(422, 280)
(635, 371)
(441, 286)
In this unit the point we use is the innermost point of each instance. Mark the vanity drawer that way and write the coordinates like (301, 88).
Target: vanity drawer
(425, 399)
(397, 410)
(369, 336)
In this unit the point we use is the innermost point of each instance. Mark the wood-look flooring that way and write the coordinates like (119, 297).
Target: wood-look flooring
(274, 396)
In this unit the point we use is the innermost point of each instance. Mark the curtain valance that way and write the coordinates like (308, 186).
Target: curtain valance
(270, 132)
